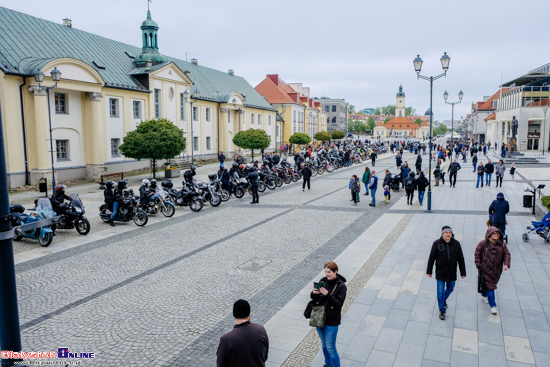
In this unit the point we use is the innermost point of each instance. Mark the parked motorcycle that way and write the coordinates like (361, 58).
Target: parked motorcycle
(183, 197)
(208, 192)
(71, 216)
(36, 225)
(158, 201)
(127, 210)
(217, 185)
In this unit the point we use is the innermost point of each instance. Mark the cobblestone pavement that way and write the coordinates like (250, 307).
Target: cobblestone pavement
(163, 294)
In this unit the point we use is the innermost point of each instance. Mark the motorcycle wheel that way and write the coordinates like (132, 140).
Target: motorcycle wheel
(140, 218)
(330, 169)
(196, 204)
(295, 177)
(104, 216)
(320, 170)
(82, 226)
(313, 172)
(287, 180)
(271, 184)
(215, 200)
(239, 192)
(47, 240)
(261, 186)
(168, 210)
(279, 182)
(225, 195)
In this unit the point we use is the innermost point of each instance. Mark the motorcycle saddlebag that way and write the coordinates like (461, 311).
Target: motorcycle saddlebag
(17, 208)
(167, 184)
(212, 176)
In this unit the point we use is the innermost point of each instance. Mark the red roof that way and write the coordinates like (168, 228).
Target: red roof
(401, 123)
(275, 92)
(488, 104)
(491, 117)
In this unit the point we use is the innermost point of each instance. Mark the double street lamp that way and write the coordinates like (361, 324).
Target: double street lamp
(195, 96)
(39, 78)
(460, 96)
(445, 60)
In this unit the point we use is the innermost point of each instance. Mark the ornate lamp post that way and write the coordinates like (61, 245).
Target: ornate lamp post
(460, 96)
(445, 60)
(195, 96)
(39, 78)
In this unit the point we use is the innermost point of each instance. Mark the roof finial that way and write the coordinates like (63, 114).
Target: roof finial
(148, 1)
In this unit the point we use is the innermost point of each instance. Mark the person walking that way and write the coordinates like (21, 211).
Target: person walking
(474, 161)
(491, 258)
(373, 186)
(444, 169)
(398, 160)
(421, 184)
(497, 213)
(480, 172)
(418, 164)
(489, 169)
(332, 295)
(247, 344)
(405, 170)
(512, 171)
(354, 187)
(500, 168)
(453, 170)
(221, 158)
(365, 179)
(446, 253)
(254, 178)
(410, 187)
(373, 156)
(437, 172)
(306, 174)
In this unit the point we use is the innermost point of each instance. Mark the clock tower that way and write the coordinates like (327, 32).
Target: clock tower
(400, 103)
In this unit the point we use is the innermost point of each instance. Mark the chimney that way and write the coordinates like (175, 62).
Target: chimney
(67, 23)
(148, 64)
(231, 72)
(274, 78)
(194, 62)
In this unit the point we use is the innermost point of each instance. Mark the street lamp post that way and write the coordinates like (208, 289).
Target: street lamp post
(195, 95)
(460, 96)
(445, 60)
(545, 109)
(39, 78)
(234, 101)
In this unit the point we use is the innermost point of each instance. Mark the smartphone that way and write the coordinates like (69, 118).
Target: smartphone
(318, 285)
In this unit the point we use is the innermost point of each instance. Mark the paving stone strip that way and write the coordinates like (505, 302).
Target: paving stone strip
(308, 348)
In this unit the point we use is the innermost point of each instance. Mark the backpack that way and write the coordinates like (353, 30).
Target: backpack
(409, 185)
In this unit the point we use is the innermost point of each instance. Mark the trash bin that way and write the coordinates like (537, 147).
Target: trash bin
(527, 201)
(43, 187)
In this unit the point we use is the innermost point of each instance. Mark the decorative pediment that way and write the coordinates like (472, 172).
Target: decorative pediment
(173, 73)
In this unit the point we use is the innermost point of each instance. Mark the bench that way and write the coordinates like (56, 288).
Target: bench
(114, 175)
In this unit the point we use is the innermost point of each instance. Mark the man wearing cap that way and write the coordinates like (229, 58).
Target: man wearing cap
(446, 253)
(247, 344)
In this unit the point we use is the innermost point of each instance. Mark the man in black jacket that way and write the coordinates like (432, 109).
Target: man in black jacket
(373, 157)
(446, 253)
(254, 178)
(498, 210)
(453, 169)
(247, 344)
(221, 158)
(306, 174)
(489, 169)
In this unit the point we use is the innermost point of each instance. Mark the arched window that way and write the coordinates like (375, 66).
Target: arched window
(150, 39)
(156, 44)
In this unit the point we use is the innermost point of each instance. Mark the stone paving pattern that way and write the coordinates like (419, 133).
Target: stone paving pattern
(163, 294)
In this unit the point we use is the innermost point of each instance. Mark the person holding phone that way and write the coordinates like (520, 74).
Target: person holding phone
(332, 294)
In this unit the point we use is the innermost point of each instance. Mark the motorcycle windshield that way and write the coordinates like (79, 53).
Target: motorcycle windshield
(75, 200)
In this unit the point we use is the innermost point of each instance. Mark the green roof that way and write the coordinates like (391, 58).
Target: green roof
(28, 43)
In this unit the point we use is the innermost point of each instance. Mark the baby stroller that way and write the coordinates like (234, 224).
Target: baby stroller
(395, 183)
(541, 228)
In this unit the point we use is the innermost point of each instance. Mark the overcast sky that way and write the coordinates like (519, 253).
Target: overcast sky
(357, 50)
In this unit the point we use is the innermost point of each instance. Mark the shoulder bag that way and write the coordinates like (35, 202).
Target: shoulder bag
(318, 315)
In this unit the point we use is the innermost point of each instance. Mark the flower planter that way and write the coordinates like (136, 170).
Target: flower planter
(172, 173)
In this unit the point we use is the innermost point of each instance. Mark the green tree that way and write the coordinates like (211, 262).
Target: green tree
(351, 109)
(337, 134)
(440, 130)
(252, 139)
(388, 110)
(409, 111)
(377, 111)
(154, 140)
(387, 119)
(323, 136)
(357, 126)
(418, 121)
(299, 139)
(370, 124)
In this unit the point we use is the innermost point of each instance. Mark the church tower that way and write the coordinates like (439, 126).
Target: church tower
(400, 103)
(150, 49)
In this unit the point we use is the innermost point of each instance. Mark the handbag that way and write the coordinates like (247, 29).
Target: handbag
(480, 282)
(318, 314)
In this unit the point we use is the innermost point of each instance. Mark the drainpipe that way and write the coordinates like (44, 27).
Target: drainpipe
(27, 181)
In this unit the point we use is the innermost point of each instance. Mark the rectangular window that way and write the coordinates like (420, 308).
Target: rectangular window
(259, 120)
(269, 120)
(195, 143)
(62, 150)
(334, 108)
(251, 119)
(182, 107)
(113, 107)
(327, 108)
(195, 114)
(157, 103)
(293, 116)
(60, 103)
(207, 114)
(208, 143)
(115, 143)
(136, 106)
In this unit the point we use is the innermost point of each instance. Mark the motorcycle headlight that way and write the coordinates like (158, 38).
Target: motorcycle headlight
(78, 210)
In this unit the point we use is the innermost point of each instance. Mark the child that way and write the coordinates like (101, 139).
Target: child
(354, 187)
(513, 170)
(387, 194)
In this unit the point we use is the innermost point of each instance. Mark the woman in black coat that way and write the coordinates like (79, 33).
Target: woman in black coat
(421, 184)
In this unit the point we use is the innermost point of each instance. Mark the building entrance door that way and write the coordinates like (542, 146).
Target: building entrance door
(532, 144)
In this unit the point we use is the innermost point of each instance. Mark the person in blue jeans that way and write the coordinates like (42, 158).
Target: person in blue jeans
(446, 253)
(491, 258)
(480, 172)
(373, 185)
(489, 169)
(332, 295)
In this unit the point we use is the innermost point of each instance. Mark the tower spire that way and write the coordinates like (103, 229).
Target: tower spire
(149, 36)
